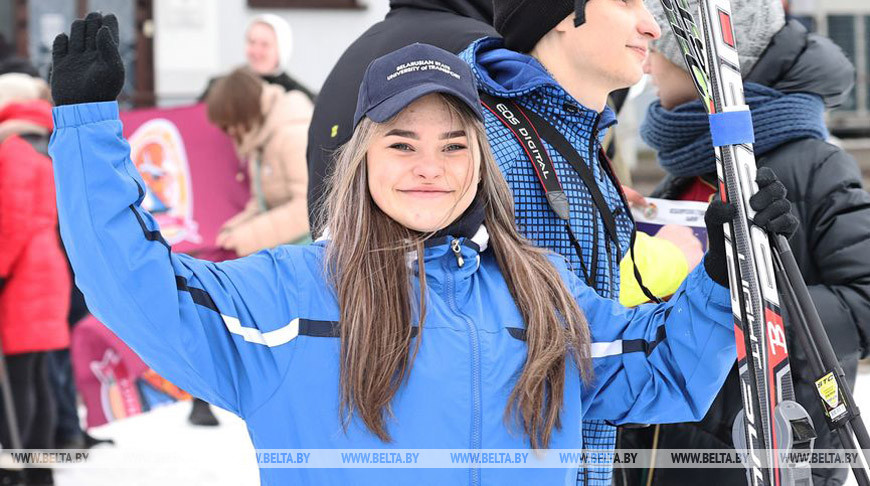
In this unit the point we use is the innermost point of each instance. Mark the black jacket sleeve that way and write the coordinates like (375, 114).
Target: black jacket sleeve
(837, 225)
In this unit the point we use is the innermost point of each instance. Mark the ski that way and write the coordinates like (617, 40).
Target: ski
(771, 420)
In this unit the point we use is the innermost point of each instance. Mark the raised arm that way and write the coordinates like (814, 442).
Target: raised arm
(220, 331)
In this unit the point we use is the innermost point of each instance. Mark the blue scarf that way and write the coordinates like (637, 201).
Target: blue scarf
(682, 136)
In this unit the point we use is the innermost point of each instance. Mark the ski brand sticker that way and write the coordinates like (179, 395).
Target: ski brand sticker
(830, 393)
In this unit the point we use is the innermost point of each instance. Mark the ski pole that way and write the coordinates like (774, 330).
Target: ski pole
(844, 432)
(808, 326)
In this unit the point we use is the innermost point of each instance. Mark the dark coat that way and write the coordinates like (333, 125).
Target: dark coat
(449, 24)
(831, 248)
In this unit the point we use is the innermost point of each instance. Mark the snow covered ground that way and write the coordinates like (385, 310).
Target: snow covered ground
(197, 456)
(219, 456)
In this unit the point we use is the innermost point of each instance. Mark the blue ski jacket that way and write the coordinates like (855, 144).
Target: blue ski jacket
(257, 335)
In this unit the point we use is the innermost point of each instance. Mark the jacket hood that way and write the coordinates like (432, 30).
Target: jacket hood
(509, 74)
(476, 9)
(797, 61)
(25, 117)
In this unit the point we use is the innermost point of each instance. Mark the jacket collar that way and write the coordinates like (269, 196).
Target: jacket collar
(450, 255)
(509, 74)
(436, 247)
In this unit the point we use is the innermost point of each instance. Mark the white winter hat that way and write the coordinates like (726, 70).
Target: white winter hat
(283, 36)
(20, 87)
(754, 22)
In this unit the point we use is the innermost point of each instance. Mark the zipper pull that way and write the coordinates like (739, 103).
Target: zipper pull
(457, 252)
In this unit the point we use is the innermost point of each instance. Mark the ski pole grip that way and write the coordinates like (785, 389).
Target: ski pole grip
(732, 127)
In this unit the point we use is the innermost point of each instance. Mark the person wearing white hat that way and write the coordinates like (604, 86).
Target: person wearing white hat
(268, 48)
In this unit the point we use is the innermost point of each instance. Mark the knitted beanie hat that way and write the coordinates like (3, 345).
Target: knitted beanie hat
(754, 22)
(523, 23)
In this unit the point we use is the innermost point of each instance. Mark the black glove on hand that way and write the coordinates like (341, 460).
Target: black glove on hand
(86, 66)
(773, 214)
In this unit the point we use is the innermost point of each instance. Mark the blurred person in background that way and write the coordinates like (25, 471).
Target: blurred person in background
(68, 432)
(268, 126)
(790, 77)
(268, 48)
(448, 24)
(34, 280)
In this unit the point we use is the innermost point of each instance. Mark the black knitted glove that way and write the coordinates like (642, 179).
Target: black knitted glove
(718, 213)
(773, 214)
(773, 210)
(86, 66)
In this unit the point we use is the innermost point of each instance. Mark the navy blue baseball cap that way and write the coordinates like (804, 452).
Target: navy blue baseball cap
(396, 80)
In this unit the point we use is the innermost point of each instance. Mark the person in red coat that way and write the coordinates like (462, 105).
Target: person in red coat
(35, 286)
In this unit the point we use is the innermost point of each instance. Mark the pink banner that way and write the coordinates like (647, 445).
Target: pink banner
(195, 181)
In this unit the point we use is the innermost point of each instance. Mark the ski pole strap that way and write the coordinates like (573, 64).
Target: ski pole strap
(732, 127)
(646, 291)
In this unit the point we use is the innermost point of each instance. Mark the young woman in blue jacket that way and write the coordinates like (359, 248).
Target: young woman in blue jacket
(424, 322)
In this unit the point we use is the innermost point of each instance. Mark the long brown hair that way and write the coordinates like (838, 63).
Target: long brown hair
(366, 263)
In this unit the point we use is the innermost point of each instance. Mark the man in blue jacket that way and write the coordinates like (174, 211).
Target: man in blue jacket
(560, 64)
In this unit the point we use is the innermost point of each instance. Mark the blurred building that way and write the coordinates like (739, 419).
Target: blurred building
(172, 47)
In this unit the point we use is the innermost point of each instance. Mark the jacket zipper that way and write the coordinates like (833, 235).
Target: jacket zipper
(475, 361)
(457, 252)
(592, 161)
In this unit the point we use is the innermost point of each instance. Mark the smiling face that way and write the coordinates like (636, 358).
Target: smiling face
(421, 169)
(611, 45)
(261, 48)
